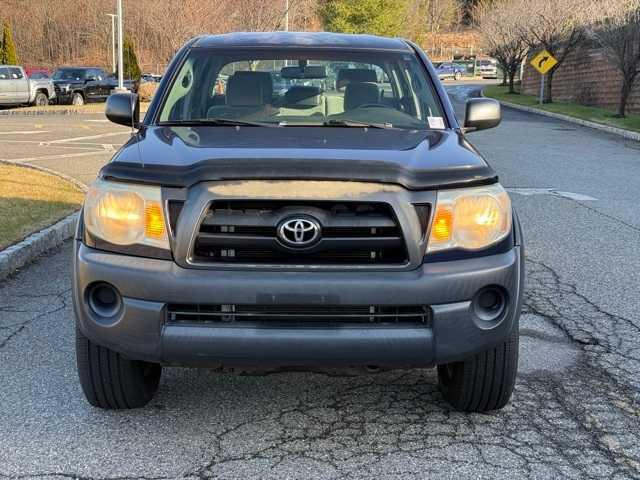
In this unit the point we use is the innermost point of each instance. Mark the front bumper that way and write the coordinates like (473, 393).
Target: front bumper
(140, 329)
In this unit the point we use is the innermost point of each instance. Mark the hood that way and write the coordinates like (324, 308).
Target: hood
(72, 81)
(183, 156)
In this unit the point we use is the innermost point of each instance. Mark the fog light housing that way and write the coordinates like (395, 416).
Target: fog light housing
(489, 304)
(104, 300)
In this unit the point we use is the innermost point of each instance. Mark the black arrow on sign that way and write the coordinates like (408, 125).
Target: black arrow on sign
(542, 61)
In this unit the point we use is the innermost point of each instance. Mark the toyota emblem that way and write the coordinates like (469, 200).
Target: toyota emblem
(299, 232)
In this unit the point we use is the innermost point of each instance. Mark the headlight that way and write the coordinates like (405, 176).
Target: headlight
(126, 214)
(470, 218)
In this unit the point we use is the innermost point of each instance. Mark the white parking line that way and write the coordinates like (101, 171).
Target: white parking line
(55, 157)
(24, 132)
(553, 192)
(90, 137)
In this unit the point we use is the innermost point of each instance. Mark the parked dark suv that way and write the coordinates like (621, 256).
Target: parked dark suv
(80, 85)
(341, 222)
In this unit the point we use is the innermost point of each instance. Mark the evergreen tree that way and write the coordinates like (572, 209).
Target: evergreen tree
(131, 67)
(377, 17)
(8, 55)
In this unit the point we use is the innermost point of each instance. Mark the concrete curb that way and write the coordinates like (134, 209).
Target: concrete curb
(52, 110)
(18, 255)
(78, 184)
(585, 123)
(40, 113)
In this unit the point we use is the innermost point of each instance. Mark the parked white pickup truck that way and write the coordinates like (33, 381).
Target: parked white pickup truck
(17, 89)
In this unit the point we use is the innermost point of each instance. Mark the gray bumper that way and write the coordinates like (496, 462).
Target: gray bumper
(147, 285)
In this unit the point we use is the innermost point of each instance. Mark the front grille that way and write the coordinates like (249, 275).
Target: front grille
(352, 233)
(312, 314)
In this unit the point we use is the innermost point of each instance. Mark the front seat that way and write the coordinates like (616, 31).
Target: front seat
(354, 75)
(247, 93)
(360, 93)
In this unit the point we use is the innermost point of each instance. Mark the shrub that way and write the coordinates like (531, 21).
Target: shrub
(147, 90)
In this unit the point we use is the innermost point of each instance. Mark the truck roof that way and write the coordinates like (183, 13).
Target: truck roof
(68, 67)
(301, 40)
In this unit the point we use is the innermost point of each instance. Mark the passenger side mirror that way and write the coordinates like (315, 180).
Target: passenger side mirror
(481, 114)
(124, 109)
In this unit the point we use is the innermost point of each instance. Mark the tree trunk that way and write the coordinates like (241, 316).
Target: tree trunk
(504, 76)
(627, 84)
(512, 74)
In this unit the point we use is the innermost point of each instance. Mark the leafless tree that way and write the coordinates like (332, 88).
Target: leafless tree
(430, 16)
(56, 32)
(499, 23)
(555, 25)
(616, 28)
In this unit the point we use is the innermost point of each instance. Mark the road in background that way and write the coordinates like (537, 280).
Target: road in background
(575, 413)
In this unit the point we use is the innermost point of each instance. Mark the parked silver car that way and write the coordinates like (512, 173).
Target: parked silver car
(16, 88)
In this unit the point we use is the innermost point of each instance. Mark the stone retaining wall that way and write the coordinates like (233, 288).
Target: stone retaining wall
(586, 77)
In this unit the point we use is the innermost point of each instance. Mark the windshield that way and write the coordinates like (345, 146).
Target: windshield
(305, 88)
(69, 74)
(38, 76)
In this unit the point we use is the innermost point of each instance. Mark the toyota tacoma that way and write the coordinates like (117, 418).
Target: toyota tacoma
(340, 219)
(17, 88)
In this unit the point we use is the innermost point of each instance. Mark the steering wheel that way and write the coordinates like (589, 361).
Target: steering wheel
(373, 105)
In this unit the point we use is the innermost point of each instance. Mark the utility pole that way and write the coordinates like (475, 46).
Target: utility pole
(113, 41)
(286, 15)
(120, 49)
(286, 23)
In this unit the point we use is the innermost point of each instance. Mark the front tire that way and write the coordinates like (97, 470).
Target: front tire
(77, 99)
(483, 382)
(457, 76)
(41, 100)
(111, 381)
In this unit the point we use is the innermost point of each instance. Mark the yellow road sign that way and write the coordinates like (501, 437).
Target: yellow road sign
(543, 61)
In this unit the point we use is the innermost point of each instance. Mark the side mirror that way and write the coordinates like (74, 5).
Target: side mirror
(481, 114)
(123, 109)
(89, 79)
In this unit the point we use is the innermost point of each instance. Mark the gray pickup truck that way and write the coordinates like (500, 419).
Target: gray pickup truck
(16, 88)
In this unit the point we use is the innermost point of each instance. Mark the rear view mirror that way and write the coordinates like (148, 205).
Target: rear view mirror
(481, 114)
(308, 71)
(123, 109)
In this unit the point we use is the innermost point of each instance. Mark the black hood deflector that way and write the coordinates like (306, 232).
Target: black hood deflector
(272, 169)
(179, 157)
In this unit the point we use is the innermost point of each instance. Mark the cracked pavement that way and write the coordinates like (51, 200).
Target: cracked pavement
(575, 412)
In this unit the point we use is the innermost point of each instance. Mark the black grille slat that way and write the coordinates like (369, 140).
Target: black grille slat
(299, 314)
(353, 233)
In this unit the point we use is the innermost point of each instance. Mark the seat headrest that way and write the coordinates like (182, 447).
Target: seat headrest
(302, 96)
(360, 93)
(348, 75)
(249, 89)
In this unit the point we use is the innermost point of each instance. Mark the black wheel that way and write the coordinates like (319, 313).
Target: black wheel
(483, 382)
(77, 99)
(457, 76)
(111, 381)
(41, 100)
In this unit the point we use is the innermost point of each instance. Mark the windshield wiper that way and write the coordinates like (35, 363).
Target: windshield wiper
(216, 121)
(334, 122)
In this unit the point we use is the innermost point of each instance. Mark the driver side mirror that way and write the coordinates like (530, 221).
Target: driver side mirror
(89, 79)
(481, 114)
(124, 109)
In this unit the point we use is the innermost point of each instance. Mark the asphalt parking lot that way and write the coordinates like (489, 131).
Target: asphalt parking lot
(75, 145)
(575, 412)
